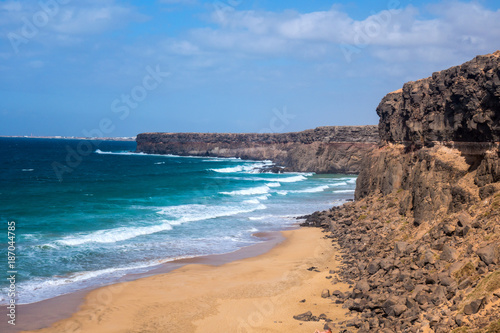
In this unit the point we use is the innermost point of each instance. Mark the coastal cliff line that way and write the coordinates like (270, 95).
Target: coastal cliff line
(328, 149)
(421, 241)
(441, 137)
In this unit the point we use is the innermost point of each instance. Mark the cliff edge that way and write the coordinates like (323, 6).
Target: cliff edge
(459, 104)
(422, 240)
(441, 141)
(328, 149)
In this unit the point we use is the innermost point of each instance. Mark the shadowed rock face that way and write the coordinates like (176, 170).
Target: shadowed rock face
(421, 242)
(329, 149)
(440, 139)
(458, 104)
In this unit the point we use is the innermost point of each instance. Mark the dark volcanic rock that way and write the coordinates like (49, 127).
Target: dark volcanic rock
(449, 254)
(473, 307)
(421, 243)
(304, 316)
(458, 104)
(328, 149)
(489, 254)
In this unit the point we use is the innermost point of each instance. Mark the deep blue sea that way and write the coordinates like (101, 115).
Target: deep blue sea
(87, 213)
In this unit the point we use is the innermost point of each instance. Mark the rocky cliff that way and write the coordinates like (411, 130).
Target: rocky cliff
(458, 104)
(441, 141)
(422, 240)
(329, 149)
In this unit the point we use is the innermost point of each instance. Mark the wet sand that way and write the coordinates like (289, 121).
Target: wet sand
(256, 289)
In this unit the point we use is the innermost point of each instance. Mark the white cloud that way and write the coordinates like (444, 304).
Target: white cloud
(390, 34)
(94, 20)
(74, 18)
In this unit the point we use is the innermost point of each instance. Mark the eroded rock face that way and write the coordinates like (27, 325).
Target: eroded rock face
(438, 134)
(428, 180)
(421, 241)
(458, 104)
(329, 149)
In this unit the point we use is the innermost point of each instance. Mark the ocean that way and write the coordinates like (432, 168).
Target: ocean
(85, 218)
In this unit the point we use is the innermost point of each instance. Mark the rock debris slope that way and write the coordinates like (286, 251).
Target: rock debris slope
(422, 240)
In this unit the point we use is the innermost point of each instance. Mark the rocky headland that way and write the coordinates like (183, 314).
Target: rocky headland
(421, 242)
(328, 149)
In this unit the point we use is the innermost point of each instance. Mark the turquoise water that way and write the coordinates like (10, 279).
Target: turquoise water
(115, 212)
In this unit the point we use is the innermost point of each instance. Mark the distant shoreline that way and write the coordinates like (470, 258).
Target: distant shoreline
(125, 138)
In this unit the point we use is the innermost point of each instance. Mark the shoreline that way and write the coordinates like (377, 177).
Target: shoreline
(245, 269)
(39, 315)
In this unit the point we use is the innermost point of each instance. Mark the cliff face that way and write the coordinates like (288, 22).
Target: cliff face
(441, 140)
(422, 239)
(329, 149)
(458, 104)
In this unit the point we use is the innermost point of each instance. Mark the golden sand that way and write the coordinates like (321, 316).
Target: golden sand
(258, 294)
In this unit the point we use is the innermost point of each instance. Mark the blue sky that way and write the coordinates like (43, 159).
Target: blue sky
(118, 68)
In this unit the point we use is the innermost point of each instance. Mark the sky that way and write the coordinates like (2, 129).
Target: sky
(118, 68)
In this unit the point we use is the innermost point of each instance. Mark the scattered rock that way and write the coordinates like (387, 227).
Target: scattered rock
(449, 229)
(459, 319)
(325, 293)
(488, 254)
(449, 254)
(362, 286)
(313, 269)
(429, 257)
(415, 242)
(400, 248)
(373, 267)
(474, 306)
(304, 316)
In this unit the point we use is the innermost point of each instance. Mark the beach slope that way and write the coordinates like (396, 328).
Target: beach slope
(258, 294)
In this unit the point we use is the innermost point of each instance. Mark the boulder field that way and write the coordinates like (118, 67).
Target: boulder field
(421, 242)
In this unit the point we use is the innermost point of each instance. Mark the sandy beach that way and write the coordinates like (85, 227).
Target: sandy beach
(257, 294)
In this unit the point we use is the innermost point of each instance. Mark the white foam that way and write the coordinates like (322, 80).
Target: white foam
(238, 168)
(175, 215)
(351, 181)
(260, 218)
(190, 213)
(251, 191)
(276, 184)
(41, 288)
(28, 170)
(47, 246)
(292, 179)
(252, 201)
(250, 168)
(113, 235)
(221, 159)
(339, 184)
(312, 189)
(282, 192)
(128, 153)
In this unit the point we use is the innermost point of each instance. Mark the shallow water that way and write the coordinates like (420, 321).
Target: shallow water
(112, 212)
